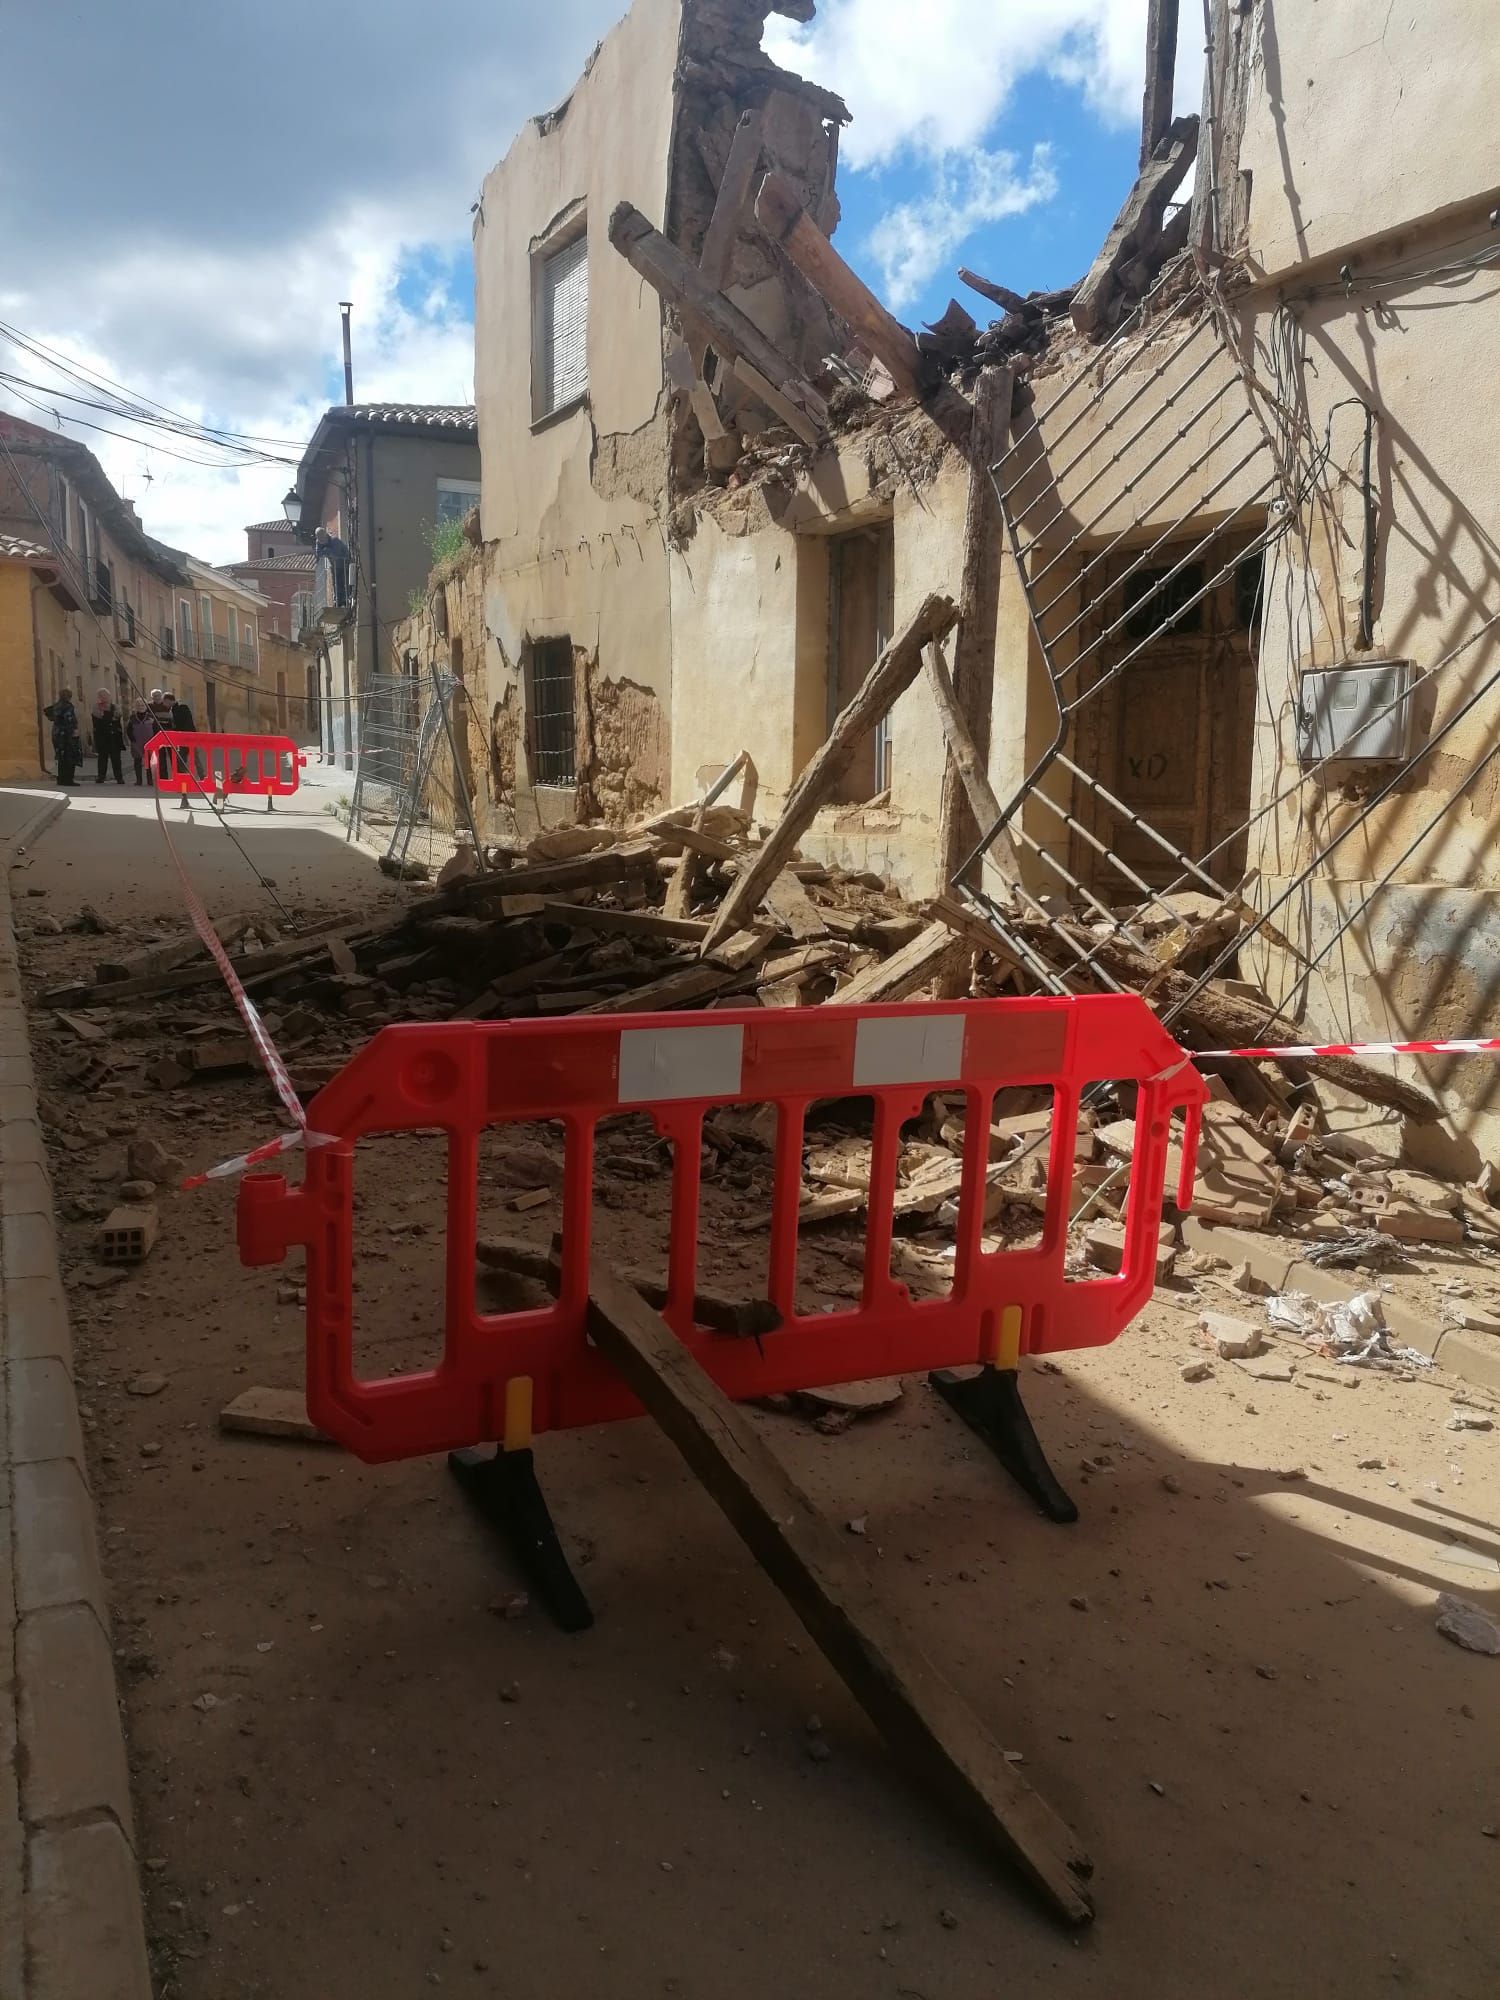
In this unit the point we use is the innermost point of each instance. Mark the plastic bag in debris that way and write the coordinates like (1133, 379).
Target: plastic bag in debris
(1350, 1331)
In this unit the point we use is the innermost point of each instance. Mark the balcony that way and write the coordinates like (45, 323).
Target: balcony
(101, 595)
(214, 646)
(125, 624)
(331, 592)
(248, 655)
(168, 643)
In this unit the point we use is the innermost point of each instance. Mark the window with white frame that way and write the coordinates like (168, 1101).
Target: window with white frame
(184, 625)
(454, 499)
(560, 313)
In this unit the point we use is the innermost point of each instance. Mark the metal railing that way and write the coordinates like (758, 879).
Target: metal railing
(248, 656)
(214, 646)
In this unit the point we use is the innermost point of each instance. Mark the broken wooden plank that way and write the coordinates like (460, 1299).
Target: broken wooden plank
(628, 860)
(729, 202)
(896, 667)
(1139, 219)
(680, 988)
(905, 971)
(779, 405)
(924, 1721)
(664, 267)
(277, 1413)
(632, 923)
(786, 221)
(1000, 857)
(791, 905)
(1000, 295)
(744, 1319)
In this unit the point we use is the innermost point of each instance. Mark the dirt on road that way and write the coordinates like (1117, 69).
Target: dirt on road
(363, 1769)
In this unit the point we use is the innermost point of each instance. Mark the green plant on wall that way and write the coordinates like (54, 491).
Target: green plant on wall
(446, 541)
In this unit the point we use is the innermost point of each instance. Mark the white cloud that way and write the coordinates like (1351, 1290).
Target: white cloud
(968, 190)
(934, 80)
(927, 88)
(207, 273)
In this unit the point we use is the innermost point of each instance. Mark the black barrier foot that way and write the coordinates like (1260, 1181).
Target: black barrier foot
(990, 1404)
(502, 1486)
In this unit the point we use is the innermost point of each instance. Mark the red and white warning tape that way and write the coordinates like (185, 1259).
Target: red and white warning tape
(255, 1027)
(1454, 1047)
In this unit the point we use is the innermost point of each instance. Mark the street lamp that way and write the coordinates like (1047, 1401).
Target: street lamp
(291, 506)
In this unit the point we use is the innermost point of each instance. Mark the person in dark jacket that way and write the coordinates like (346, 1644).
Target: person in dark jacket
(67, 743)
(109, 736)
(140, 729)
(183, 725)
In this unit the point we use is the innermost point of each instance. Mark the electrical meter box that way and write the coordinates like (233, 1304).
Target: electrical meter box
(1360, 714)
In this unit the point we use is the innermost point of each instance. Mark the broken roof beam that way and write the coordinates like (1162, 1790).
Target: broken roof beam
(1161, 67)
(999, 295)
(1138, 226)
(895, 668)
(733, 335)
(784, 219)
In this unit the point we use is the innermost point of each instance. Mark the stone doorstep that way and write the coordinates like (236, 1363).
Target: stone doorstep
(72, 1744)
(56, 1553)
(84, 1932)
(1473, 1357)
(43, 1412)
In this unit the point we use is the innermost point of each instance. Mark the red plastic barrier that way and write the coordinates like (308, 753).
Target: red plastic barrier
(193, 760)
(463, 1077)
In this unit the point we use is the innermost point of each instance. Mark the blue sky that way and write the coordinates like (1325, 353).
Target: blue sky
(997, 133)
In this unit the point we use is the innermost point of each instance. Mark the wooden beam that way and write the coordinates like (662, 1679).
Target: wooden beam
(792, 907)
(1001, 856)
(896, 667)
(786, 221)
(779, 405)
(664, 267)
(900, 975)
(1139, 219)
(999, 295)
(1161, 67)
(729, 202)
(973, 684)
(925, 1722)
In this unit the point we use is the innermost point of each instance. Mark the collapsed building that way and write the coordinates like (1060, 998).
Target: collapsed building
(1219, 522)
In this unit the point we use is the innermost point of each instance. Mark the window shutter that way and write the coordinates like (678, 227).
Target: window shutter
(565, 313)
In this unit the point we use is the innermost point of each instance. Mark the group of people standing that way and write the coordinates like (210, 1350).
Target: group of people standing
(111, 733)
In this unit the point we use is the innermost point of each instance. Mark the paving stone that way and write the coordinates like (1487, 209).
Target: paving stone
(85, 1937)
(72, 1743)
(43, 1412)
(28, 1246)
(25, 1189)
(21, 1141)
(17, 1101)
(16, 1073)
(56, 1554)
(37, 1320)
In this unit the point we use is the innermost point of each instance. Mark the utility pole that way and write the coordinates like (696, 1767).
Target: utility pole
(346, 306)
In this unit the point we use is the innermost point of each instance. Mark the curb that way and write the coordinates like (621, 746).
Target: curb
(71, 1920)
(1473, 1358)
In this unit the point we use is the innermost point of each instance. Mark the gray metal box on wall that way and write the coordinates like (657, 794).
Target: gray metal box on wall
(1360, 714)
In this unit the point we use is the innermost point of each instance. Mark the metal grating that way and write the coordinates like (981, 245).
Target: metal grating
(553, 731)
(1136, 501)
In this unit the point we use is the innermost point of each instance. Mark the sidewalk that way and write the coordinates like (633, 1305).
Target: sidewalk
(70, 1910)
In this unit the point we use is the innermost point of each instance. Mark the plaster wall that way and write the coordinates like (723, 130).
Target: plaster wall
(751, 644)
(1364, 121)
(572, 503)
